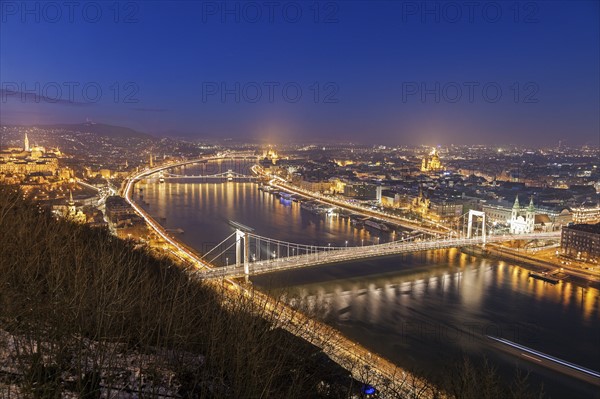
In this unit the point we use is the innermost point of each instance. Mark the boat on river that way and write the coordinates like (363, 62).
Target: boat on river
(544, 277)
(376, 225)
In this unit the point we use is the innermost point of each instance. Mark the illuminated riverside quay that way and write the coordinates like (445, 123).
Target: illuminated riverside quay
(417, 310)
(360, 362)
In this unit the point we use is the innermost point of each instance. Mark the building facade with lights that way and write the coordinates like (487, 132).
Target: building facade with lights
(28, 160)
(581, 241)
(432, 163)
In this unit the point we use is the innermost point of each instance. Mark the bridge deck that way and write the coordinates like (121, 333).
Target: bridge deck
(354, 253)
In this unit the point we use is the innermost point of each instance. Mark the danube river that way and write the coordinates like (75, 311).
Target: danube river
(422, 311)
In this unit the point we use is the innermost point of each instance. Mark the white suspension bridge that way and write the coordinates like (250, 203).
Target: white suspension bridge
(255, 254)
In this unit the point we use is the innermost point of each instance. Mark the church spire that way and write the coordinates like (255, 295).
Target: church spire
(531, 208)
(516, 205)
(71, 209)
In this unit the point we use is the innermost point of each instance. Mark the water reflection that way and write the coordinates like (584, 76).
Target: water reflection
(414, 309)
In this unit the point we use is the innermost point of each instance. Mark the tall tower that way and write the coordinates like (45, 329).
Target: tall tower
(26, 143)
(71, 207)
(530, 217)
(378, 191)
(151, 161)
(515, 209)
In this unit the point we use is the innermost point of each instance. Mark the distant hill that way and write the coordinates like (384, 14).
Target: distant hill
(101, 129)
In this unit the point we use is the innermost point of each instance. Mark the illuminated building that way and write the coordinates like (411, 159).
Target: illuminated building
(581, 241)
(315, 185)
(29, 160)
(73, 213)
(498, 213)
(338, 185)
(343, 162)
(432, 163)
(270, 155)
(393, 199)
(421, 204)
(390, 199)
(541, 218)
(589, 214)
(122, 219)
(70, 211)
(25, 167)
(436, 209)
(522, 221)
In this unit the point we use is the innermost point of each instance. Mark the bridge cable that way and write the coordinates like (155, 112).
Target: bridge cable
(222, 252)
(217, 246)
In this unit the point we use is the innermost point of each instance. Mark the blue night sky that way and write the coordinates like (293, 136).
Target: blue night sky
(405, 72)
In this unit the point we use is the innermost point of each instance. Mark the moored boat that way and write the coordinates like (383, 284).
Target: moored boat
(376, 225)
(544, 277)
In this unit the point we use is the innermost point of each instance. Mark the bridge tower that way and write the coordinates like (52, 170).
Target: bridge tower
(241, 238)
(477, 214)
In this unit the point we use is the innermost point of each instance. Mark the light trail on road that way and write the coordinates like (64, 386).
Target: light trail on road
(383, 374)
(282, 184)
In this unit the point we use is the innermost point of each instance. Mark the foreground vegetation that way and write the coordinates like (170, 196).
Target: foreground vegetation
(81, 308)
(84, 314)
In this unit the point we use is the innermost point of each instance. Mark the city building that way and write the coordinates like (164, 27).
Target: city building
(315, 185)
(581, 241)
(443, 210)
(122, 219)
(338, 185)
(438, 209)
(270, 156)
(522, 220)
(117, 207)
(544, 218)
(432, 163)
(28, 160)
(499, 212)
(364, 191)
(70, 211)
(586, 214)
(390, 199)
